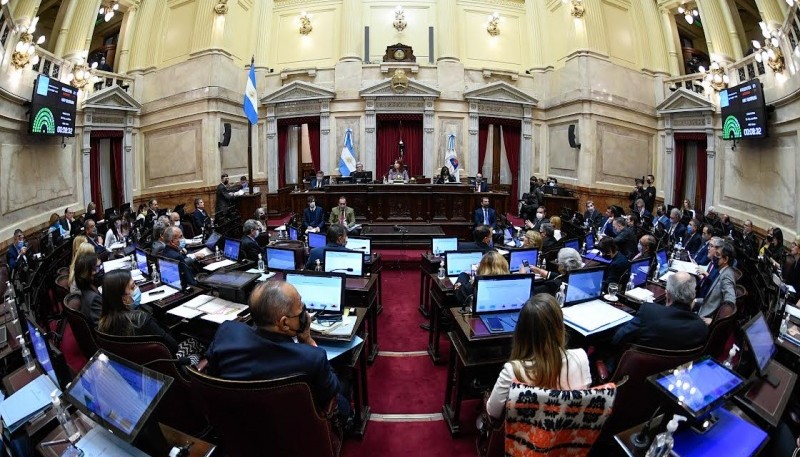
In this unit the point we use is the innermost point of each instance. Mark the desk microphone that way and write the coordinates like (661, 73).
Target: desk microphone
(361, 248)
(349, 270)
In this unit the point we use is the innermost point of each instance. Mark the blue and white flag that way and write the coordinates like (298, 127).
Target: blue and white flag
(347, 161)
(450, 158)
(250, 97)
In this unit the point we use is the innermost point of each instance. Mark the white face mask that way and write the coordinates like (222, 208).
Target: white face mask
(539, 216)
(312, 205)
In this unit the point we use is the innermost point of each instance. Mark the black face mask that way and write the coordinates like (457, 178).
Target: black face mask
(660, 213)
(262, 216)
(98, 278)
(303, 321)
(225, 182)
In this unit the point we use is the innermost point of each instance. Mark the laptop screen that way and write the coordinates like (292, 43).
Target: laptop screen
(316, 240)
(141, 261)
(42, 353)
(348, 262)
(519, 255)
(698, 386)
(319, 292)
(359, 244)
(170, 273)
(574, 244)
(460, 262)
(212, 241)
(639, 271)
(494, 294)
(441, 245)
(663, 261)
(761, 341)
(589, 241)
(231, 249)
(280, 259)
(293, 235)
(584, 285)
(117, 394)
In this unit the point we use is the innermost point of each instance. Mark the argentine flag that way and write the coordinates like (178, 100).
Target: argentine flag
(450, 159)
(347, 161)
(250, 97)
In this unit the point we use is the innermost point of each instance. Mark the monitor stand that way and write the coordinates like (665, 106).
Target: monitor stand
(150, 439)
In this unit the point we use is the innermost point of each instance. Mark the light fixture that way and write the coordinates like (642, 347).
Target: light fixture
(82, 74)
(715, 76)
(108, 8)
(770, 52)
(576, 8)
(493, 27)
(3, 2)
(790, 2)
(25, 50)
(221, 8)
(305, 23)
(399, 19)
(689, 14)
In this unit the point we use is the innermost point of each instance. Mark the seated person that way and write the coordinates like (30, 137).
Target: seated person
(55, 231)
(671, 327)
(480, 184)
(260, 216)
(646, 247)
(248, 247)
(69, 224)
(80, 247)
(541, 218)
(677, 230)
(18, 252)
(158, 238)
(723, 289)
(199, 216)
(619, 266)
(607, 228)
(398, 172)
(278, 345)
(661, 218)
(548, 237)
(749, 241)
(87, 279)
(313, 216)
(343, 215)
(626, 237)
(539, 355)
(444, 176)
(336, 239)
(791, 269)
(568, 260)
(592, 215)
(530, 203)
(701, 256)
(692, 241)
(491, 264)
(532, 239)
(485, 214)
(172, 250)
(360, 176)
(555, 221)
(319, 181)
(115, 233)
(90, 228)
(482, 236)
(641, 211)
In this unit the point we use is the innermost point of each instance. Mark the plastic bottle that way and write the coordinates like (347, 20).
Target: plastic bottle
(156, 276)
(10, 300)
(133, 262)
(26, 354)
(662, 444)
(441, 273)
(64, 418)
(473, 271)
(260, 263)
(318, 265)
(561, 295)
(630, 285)
(784, 326)
(731, 354)
(657, 270)
(217, 255)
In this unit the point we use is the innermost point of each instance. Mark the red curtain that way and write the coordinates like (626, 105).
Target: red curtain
(483, 136)
(391, 129)
(117, 192)
(511, 139)
(94, 172)
(702, 167)
(680, 157)
(313, 139)
(283, 133)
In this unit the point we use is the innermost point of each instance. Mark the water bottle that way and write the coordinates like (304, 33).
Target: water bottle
(10, 300)
(156, 276)
(260, 263)
(317, 265)
(784, 326)
(441, 273)
(630, 285)
(64, 418)
(133, 262)
(217, 255)
(561, 295)
(662, 445)
(30, 364)
(657, 270)
(731, 354)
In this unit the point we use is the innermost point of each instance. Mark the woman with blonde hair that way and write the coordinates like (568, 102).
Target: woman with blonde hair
(532, 239)
(83, 249)
(492, 264)
(556, 222)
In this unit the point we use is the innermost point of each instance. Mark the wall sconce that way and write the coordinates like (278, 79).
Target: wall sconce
(715, 76)
(576, 8)
(790, 3)
(108, 8)
(399, 19)
(305, 23)
(82, 74)
(689, 14)
(3, 2)
(493, 27)
(770, 52)
(221, 8)
(25, 50)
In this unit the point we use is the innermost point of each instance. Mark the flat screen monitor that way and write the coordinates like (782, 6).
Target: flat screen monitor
(117, 394)
(324, 293)
(231, 251)
(639, 271)
(170, 272)
(213, 239)
(501, 293)
(698, 387)
(663, 262)
(230, 279)
(743, 111)
(53, 106)
(362, 245)
(573, 243)
(316, 240)
(518, 256)
(584, 285)
(348, 262)
(588, 242)
(280, 259)
(458, 262)
(293, 234)
(441, 245)
(761, 342)
(360, 177)
(141, 260)
(41, 351)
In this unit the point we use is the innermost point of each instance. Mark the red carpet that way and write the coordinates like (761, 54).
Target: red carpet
(406, 385)
(399, 322)
(416, 439)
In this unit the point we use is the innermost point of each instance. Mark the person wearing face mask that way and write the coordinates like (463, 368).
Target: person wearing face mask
(541, 218)
(638, 192)
(18, 252)
(693, 241)
(199, 216)
(90, 228)
(313, 217)
(87, 270)
(319, 181)
(773, 250)
(701, 257)
(646, 247)
(649, 193)
(591, 215)
(661, 218)
(248, 247)
(91, 212)
(626, 237)
(485, 214)
(172, 250)
(278, 344)
(619, 266)
(224, 196)
(260, 216)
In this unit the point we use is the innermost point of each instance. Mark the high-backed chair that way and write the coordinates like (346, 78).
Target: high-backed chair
(81, 326)
(297, 248)
(177, 409)
(720, 331)
(267, 418)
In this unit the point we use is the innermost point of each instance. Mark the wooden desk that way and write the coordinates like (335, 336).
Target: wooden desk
(765, 401)
(247, 204)
(429, 264)
(554, 203)
(441, 299)
(411, 235)
(18, 379)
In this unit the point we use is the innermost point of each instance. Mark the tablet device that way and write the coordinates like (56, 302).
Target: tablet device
(362, 245)
(441, 245)
(761, 341)
(573, 243)
(319, 292)
(231, 251)
(170, 272)
(280, 259)
(458, 262)
(293, 234)
(213, 239)
(639, 271)
(584, 285)
(350, 263)
(501, 293)
(518, 256)
(42, 351)
(141, 261)
(316, 240)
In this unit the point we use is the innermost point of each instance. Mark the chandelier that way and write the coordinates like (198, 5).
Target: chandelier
(689, 14)
(25, 50)
(770, 52)
(82, 74)
(715, 76)
(108, 8)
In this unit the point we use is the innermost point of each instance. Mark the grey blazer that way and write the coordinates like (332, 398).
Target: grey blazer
(722, 289)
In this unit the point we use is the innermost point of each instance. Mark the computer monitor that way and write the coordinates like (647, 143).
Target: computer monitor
(761, 342)
(461, 261)
(588, 241)
(170, 272)
(141, 261)
(213, 239)
(698, 387)
(639, 271)
(316, 240)
(231, 251)
(41, 350)
(584, 285)
(501, 293)
(350, 263)
(280, 259)
(573, 243)
(117, 394)
(362, 245)
(293, 233)
(663, 261)
(443, 244)
(360, 177)
(319, 292)
(518, 256)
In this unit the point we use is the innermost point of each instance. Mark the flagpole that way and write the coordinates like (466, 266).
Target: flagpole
(250, 144)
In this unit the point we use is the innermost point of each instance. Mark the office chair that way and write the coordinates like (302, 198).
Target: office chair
(719, 332)
(82, 328)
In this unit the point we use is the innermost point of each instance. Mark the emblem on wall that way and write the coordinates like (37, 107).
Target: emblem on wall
(399, 81)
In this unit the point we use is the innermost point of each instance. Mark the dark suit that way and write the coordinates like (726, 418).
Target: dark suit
(595, 218)
(645, 215)
(91, 305)
(445, 179)
(13, 257)
(626, 242)
(607, 228)
(224, 198)
(672, 327)
(319, 254)
(701, 257)
(484, 187)
(548, 243)
(187, 279)
(478, 217)
(703, 285)
(241, 352)
(72, 227)
(248, 249)
(313, 218)
(475, 246)
(317, 184)
(677, 232)
(616, 270)
(98, 248)
(693, 242)
(199, 217)
(537, 223)
(649, 198)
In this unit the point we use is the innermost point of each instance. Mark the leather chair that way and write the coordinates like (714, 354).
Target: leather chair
(720, 331)
(267, 418)
(178, 408)
(81, 326)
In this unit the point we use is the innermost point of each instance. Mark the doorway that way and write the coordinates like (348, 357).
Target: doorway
(107, 170)
(691, 170)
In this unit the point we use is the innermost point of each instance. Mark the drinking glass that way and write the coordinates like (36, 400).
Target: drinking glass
(613, 288)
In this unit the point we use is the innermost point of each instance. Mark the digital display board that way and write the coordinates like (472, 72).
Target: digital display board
(743, 110)
(53, 106)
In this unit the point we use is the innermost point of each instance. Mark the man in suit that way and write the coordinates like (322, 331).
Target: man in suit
(671, 327)
(710, 273)
(224, 196)
(549, 240)
(749, 241)
(90, 228)
(313, 216)
(335, 240)
(68, 223)
(199, 216)
(701, 257)
(607, 229)
(248, 247)
(484, 215)
(343, 214)
(661, 218)
(643, 213)
(158, 238)
(694, 235)
(646, 247)
(172, 250)
(541, 218)
(319, 182)
(152, 209)
(723, 289)
(482, 236)
(279, 344)
(677, 231)
(592, 216)
(619, 266)
(626, 237)
(480, 184)
(18, 252)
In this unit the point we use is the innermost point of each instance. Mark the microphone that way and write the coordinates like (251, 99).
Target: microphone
(361, 248)
(349, 270)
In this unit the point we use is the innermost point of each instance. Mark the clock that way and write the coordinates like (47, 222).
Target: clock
(399, 53)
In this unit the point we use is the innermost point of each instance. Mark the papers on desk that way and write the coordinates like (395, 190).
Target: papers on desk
(501, 251)
(353, 227)
(116, 246)
(25, 403)
(666, 275)
(341, 328)
(335, 349)
(793, 311)
(219, 310)
(137, 275)
(640, 294)
(688, 267)
(205, 252)
(117, 264)
(217, 265)
(263, 277)
(280, 228)
(594, 316)
(196, 241)
(99, 442)
(148, 297)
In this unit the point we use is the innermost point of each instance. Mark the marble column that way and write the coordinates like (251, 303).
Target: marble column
(141, 44)
(63, 31)
(86, 149)
(447, 25)
(472, 144)
(736, 42)
(668, 160)
(428, 139)
(324, 134)
(272, 149)
(351, 30)
(127, 158)
(81, 28)
(771, 13)
(593, 26)
(669, 29)
(26, 10)
(525, 152)
(370, 157)
(711, 168)
(532, 16)
(126, 38)
(264, 32)
(715, 29)
(658, 46)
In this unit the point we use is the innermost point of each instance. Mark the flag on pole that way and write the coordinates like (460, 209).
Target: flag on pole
(347, 161)
(450, 158)
(250, 97)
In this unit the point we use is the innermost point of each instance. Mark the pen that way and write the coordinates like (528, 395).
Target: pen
(156, 292)
(54, 442)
